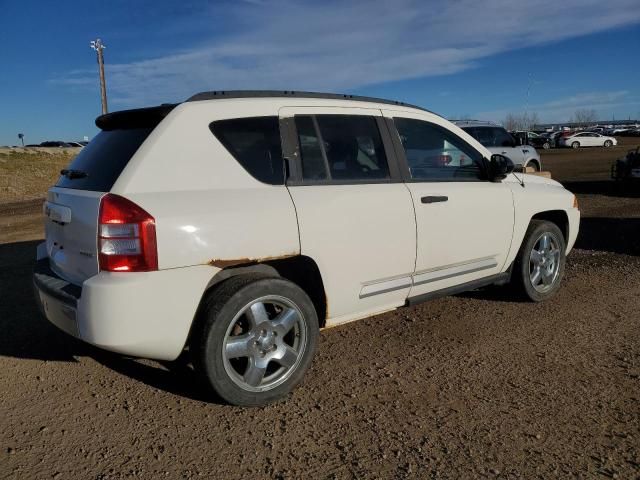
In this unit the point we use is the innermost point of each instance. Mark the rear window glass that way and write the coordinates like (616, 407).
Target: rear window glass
(101, 162)
(255, 144)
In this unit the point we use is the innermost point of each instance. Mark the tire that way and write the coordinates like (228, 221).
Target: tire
(255, 339)
(608, 143)
(546, 145)
(575, 145)
(549, 262)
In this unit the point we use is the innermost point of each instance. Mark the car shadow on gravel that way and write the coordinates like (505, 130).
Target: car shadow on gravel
(26, 334)
(608, 188)
(606, 234)
(177, 377)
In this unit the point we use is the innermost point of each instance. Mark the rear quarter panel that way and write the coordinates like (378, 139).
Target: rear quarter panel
(208, 208)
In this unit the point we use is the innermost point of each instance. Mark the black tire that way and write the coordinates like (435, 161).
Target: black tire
(522, 271)
(546, 145)
(608, 143)
(575, 145)
(219, 317)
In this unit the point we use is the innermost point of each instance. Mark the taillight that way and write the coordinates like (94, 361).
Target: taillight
(126, 236)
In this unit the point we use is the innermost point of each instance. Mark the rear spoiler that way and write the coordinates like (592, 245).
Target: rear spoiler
(135, 118)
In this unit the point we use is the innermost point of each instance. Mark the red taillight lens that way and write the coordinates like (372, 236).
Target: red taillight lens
(126, 236)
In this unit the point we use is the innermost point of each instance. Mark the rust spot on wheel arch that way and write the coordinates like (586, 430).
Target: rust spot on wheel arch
(230, 262)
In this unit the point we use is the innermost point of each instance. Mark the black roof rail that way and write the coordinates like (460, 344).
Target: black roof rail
(296, 94)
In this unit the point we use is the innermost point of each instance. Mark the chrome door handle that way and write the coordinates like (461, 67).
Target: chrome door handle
(434, 199)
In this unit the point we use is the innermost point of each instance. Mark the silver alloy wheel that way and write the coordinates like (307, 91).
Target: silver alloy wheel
(544, 262)
(264, 343)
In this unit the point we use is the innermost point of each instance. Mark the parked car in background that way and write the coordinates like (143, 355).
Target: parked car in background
(626, 171)
(632, 132)
(55, 143)
(534, 139)
(234, 225)
(587, 139)
(495, 138)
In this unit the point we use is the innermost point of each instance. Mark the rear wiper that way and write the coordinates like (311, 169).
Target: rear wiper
(71, 174)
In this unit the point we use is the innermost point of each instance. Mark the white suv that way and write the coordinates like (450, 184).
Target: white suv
(497, 140)
(236, 224)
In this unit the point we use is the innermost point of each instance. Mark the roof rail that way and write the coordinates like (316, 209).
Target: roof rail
(292, 93)
(475, 121)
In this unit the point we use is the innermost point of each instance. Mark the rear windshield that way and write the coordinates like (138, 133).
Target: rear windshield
(100, 163)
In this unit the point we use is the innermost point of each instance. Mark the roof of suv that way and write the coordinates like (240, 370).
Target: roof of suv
(143, 117)
(475, 123)
(215, 95)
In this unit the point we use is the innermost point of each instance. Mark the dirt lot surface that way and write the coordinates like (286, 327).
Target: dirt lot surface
(472, 386)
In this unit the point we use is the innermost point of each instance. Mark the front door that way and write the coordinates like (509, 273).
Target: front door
(464, 223)
(355, 215)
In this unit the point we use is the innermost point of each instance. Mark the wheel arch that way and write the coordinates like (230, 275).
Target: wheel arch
(299, 269)
(558, 217)
(534, 160)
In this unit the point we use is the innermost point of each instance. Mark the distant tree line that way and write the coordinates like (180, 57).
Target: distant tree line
(527, 121)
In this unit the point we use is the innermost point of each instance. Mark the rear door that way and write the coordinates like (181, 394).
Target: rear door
(464, 222)
(355, 215)
(72, 207)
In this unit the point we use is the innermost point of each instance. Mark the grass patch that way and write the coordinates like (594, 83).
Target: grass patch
(28, 175)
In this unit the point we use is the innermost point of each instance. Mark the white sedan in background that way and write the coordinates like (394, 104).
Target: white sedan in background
(587, 139)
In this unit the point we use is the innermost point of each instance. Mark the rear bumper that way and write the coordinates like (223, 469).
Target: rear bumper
(146, 314)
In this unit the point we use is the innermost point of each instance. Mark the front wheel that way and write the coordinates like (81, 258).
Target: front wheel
(546, 145)
(539, 267)
(255, 339)
(608, 143)
(575, 145)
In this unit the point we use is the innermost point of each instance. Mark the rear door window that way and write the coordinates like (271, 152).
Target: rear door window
(255, 144)
(341, 148)
(100, 163)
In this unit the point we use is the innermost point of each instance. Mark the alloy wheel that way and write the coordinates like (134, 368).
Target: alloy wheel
(544, 262)
(264, 343)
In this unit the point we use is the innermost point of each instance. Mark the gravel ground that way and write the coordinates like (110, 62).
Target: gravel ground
(476, 385)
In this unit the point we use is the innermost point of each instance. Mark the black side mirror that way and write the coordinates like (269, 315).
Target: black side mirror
(499, 167)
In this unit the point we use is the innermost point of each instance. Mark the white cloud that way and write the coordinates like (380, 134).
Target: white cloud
(562, 109)
(336, 46)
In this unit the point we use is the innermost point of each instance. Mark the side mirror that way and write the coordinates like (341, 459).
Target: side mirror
(499, 167)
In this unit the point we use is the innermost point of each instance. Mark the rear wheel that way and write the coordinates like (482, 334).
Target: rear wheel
(256, 339)
(540, 263)
(608, 143)
(546, 145)
(575, 145)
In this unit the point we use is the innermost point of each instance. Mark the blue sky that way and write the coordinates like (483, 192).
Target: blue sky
(455, 57)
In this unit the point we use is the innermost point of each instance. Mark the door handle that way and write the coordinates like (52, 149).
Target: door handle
(434, 199)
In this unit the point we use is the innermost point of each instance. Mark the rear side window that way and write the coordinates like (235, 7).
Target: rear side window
(341, 147)
(255, 143)
(100, 163)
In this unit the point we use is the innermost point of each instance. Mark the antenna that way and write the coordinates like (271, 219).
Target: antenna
(98, 46)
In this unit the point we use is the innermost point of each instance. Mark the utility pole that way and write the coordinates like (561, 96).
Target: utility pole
(98, 46)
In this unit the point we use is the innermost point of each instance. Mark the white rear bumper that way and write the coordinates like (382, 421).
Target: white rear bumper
(147, 314)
